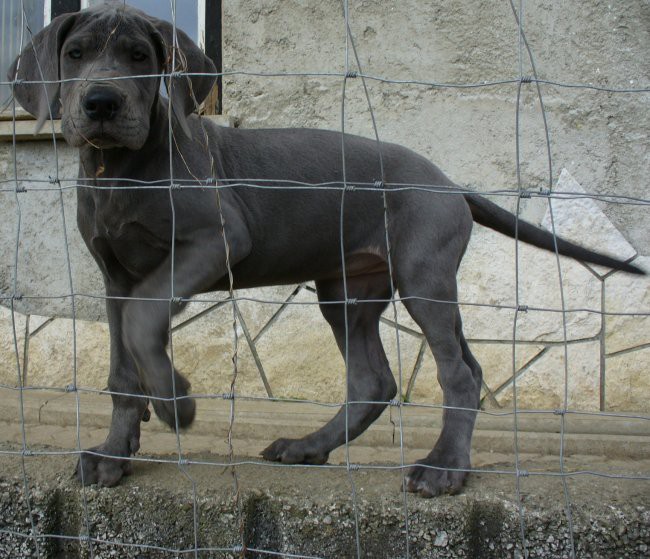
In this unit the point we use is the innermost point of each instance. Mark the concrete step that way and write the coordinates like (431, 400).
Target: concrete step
(257, 423)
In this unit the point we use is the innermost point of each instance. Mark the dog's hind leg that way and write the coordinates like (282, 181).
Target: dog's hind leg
(369, 376)
(431, 299)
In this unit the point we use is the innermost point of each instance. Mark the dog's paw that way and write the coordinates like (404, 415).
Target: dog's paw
(431, 478)
(166, 410)
(105, 471)
(294, 451)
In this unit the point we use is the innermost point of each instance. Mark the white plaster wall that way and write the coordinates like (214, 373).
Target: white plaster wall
(599, 138)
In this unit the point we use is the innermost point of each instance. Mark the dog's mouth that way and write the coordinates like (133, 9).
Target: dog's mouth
(81, 131)
(103, 142)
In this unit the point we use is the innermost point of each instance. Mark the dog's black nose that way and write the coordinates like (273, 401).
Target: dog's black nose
(102, 104)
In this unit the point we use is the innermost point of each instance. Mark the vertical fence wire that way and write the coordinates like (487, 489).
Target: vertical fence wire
(523, 42)
(182, 462)
(515, 417)
(346, 298)
(57, 183)
(391, 279)
(15, 294)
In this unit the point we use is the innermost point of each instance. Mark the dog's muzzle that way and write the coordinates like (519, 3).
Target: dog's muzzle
(102, 103)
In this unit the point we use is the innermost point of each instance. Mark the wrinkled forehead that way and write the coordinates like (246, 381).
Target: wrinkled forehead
(99, 28)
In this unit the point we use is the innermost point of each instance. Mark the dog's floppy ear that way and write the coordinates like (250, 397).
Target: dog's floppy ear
(186, 93)
(39, 62)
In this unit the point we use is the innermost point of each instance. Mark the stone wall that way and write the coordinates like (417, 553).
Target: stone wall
(599, 144)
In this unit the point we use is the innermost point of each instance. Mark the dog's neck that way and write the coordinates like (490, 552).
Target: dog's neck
(121, 162)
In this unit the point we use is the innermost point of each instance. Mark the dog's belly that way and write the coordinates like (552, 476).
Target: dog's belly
(289, 270)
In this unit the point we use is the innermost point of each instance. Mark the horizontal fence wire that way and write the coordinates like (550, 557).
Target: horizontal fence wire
(354, 74)
(352, 69)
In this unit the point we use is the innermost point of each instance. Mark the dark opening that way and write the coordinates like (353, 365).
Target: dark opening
(64, 7)
(213, 49)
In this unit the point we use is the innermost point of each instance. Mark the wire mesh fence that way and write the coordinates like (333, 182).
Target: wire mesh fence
(242, 337)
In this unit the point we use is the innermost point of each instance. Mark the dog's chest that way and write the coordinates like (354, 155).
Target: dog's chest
(128, 233)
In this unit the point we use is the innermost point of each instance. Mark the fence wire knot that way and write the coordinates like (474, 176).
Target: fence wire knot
(176, 74)
(27, 452)
(237, 548)
(525, 194)
(17, 297)
(84, 538)
(544, 191)
(395, 403)
(177, 300)
(175, 186)
(378, 184)
(354, 467)
(522, 473)
(210, 181)
(351, 74)
(522, 308)
(526, 79)
(183, 461)
(20, 189)
(352, 301)
(350, 187)
(54, 180)
(71, 388)
(559, 411)
(228, 396)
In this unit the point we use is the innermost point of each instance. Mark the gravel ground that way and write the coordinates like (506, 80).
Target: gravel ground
(310, 512)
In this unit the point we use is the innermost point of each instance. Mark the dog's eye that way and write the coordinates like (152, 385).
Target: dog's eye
(74, 54)
(138, 56)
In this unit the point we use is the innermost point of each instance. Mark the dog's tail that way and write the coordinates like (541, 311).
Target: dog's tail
(493, 216)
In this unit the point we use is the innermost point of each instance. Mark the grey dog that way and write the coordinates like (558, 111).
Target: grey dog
(157, 247)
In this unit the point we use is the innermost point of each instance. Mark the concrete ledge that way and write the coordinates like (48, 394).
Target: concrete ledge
(168, 506)
(310, 512)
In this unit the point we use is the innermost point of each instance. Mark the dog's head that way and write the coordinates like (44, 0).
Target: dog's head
(69, 71)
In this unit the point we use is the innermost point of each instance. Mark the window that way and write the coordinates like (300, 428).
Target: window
(11, 26)
(200, 19)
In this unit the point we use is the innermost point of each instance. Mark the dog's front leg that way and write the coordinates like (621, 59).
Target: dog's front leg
(108, 462)
(195, 266)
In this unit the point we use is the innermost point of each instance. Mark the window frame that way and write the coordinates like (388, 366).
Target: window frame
(209, 40)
